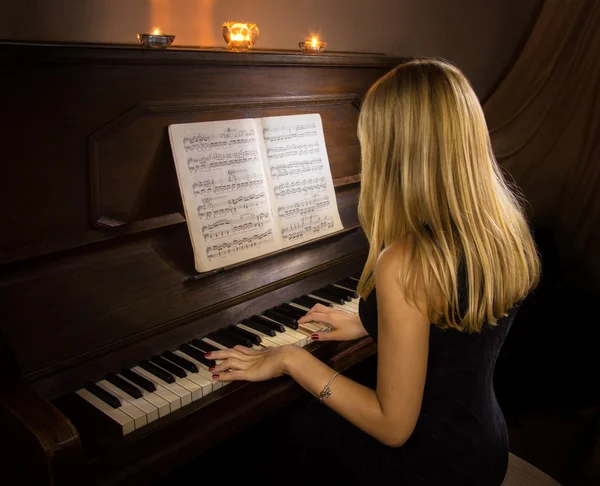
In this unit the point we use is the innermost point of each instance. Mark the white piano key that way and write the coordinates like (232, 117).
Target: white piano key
(344, 307)
(139, 417)
(202, 370)
(172, 394)
(146, 407)
(296, 333)
(121, 418)
(197, 378)
(193, 388)
(152, 398)
(214, 343)
(314, 326)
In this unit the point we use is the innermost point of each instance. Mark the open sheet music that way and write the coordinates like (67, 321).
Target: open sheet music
(253, 186)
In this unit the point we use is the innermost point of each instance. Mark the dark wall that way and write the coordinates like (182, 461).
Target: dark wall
(479, 35)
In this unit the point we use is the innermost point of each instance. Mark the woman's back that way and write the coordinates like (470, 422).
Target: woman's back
(460, 436)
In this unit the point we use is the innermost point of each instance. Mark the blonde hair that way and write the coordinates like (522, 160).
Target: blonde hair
(429, 176)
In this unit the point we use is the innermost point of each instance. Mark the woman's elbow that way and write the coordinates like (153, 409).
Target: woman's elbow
(396, 436)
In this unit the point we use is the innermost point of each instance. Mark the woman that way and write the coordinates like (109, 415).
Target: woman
(451, 257)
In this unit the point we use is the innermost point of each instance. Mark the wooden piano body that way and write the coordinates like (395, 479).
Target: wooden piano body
(96, 262)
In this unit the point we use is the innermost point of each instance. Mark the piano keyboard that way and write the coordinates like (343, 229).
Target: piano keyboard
(165, 383)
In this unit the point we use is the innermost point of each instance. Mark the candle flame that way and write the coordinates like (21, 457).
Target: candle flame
(155, 31)
(314, 42)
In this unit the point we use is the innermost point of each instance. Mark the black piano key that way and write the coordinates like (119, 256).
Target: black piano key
(139, 380)
(286, 312)
(298, 312)
(168, 366)
(312, 301)
(351, 292)
(103, 395)
(328, 296)
(203, 345)
(270, 324)
(244, 341)
(158, 372)
(254, 338)
(348, 283)
(197, 354)
(222, 339)
(335, 293)
(347, 295)
(123, 385)
(259, 327)
(303, 302)
(178, 360)
(282, 318)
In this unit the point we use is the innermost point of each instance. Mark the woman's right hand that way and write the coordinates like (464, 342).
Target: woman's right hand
(344, 325)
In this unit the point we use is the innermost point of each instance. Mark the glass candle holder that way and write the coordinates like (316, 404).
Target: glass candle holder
(240, 36)
(155, 39)
(312, 46)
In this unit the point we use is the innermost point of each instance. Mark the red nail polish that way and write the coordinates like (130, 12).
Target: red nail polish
(212, 368)
(215, 376)
(207, 355)
(315, 337)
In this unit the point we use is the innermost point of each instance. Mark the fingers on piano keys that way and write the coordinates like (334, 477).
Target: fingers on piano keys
(162, 384)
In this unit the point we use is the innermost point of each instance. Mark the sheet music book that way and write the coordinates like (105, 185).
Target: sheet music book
(253, 186)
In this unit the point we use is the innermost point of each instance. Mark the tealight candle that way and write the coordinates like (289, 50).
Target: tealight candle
(312, 46)
(155, 39)
(240, 36)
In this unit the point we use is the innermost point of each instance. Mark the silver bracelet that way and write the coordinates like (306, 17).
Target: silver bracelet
(326, 393)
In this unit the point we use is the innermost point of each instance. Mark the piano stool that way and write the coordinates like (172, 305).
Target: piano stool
(521, 473)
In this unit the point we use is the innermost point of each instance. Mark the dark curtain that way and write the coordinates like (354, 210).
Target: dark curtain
(544, 120)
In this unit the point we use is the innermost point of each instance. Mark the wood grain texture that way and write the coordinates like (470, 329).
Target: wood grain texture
(96, 264)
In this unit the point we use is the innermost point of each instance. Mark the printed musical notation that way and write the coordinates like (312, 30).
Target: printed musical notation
(212, 208)
(287, 133)
(229, 227)
(307, 226)
(229, 207)
(253, 186)
(235, 245)
(300, 176)
(227, 138)
(302, 208)
(237, 180)
(310, 186)
(221, 160)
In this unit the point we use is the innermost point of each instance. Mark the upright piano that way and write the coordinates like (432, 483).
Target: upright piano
(98, 291)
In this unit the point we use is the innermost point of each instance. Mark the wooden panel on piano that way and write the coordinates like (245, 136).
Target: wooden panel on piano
(97, 270)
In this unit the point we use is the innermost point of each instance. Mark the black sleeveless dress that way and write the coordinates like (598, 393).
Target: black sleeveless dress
(460, 437)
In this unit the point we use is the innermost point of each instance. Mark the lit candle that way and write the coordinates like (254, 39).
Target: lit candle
(312, 46)
(240, 36)
(155, 39)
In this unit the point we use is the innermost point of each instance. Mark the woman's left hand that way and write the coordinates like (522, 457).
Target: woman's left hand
(242, 363)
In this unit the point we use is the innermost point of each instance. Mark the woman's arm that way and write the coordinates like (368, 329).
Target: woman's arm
(390, 413)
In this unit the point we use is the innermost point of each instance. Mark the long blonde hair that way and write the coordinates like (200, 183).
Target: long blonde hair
(429, 176)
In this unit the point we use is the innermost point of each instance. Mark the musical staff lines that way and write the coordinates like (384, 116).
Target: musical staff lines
(310, 186)
(220, 160)
(303, 208)
(252, 186)
(212, 208)
(307, 226)
(237, 180)
(287, 133)
(227, 138)
(235, 245)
